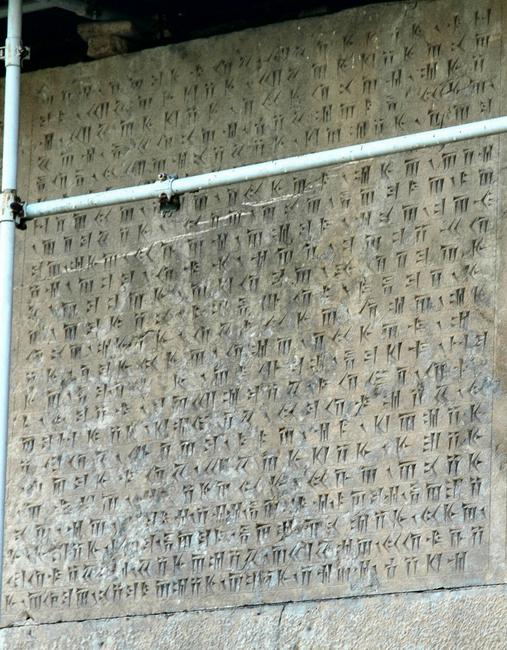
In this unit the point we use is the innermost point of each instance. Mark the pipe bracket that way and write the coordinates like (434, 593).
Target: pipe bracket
(14, 56)
(168, 201)
(24, 53)
(18, 213)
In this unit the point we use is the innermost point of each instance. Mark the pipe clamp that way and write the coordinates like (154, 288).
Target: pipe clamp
(168, 201)
(14, 54)
(18, 212)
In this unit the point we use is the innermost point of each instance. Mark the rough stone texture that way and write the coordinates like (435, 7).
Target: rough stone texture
(291, 389)
(474, 618)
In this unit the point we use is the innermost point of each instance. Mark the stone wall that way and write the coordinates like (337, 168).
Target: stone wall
(457, 618)
(290, 390)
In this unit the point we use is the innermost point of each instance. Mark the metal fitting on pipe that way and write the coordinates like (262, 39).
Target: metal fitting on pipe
(168, 202)
(18, 212)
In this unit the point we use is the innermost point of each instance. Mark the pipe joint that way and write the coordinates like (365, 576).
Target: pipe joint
(14, 52)
(17, 208)
(168, 201)
(13, 209)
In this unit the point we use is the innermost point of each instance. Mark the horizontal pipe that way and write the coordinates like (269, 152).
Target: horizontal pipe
(96, 199)
(347, 154)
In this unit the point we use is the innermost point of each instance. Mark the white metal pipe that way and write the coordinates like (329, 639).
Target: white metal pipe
(347, 154)
(29, 7)
(97, 199)
(11, 96)
(13, 55)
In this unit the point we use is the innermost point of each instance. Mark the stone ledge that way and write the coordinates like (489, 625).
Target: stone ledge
(449, 619)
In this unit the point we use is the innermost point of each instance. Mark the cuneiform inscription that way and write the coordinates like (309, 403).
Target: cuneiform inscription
(285, 391)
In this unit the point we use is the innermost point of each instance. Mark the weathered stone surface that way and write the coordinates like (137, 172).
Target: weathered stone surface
(474, 618)
(291, 389)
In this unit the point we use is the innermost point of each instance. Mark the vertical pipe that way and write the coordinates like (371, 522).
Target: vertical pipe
(7, 231)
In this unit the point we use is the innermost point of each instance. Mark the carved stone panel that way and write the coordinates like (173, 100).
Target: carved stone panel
(291, 388)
